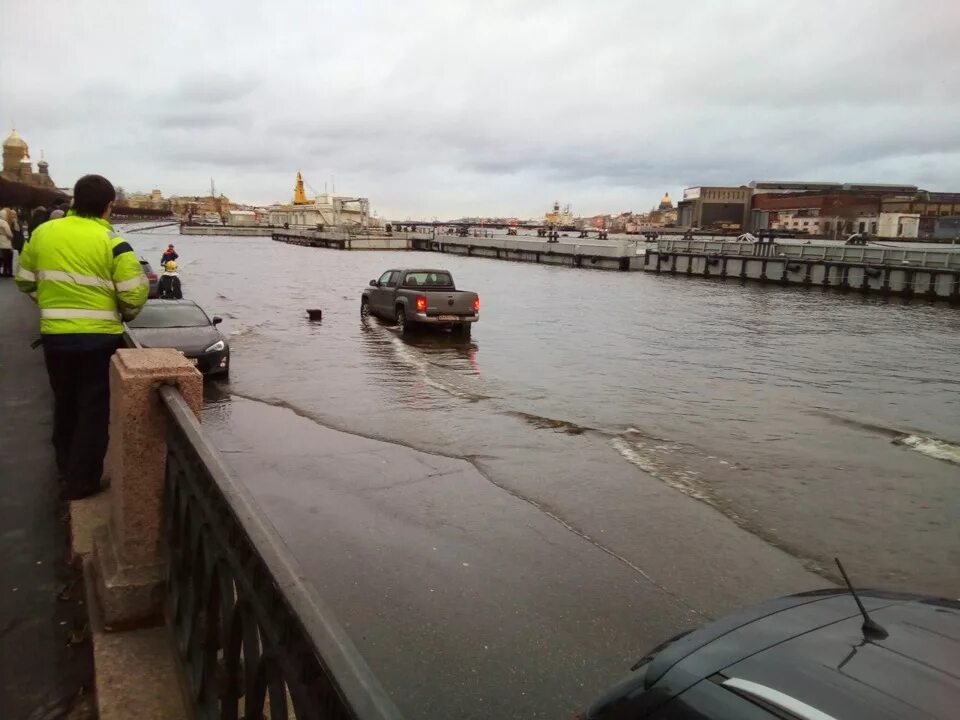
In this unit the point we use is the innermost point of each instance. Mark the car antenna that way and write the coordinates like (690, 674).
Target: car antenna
(871, 630)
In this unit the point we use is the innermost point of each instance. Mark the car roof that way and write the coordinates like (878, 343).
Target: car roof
(913, 672)
(422, 270)
(811, 648)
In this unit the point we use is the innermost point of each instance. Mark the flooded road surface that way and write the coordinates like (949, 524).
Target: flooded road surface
(823, 424)
(827, 424)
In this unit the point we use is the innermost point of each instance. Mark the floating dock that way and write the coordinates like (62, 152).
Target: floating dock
(240, 231)
(920, 272)
(624, 255)
(342, 240)
(933, 274)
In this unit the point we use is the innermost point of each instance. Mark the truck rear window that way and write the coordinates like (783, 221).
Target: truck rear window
(428, 279)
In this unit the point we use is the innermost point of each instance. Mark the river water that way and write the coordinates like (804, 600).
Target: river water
(825, 424)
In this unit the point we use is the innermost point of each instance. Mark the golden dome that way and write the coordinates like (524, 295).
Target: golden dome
(14, 140)
(665, 202)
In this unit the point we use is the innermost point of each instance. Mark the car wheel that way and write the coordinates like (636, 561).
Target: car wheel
(364, 308)
(402, 320)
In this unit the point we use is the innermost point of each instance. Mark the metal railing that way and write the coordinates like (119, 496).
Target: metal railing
(254, 638)
(863, 254)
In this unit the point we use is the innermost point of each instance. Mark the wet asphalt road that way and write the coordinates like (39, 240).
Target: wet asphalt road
(630, 455)
(468, 600)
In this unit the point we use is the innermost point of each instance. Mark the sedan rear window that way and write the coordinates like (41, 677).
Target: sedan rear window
(160, 315)
(428, 279)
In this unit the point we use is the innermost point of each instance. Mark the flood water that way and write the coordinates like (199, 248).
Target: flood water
(825, 424)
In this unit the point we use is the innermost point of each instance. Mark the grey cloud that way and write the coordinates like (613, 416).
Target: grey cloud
(436, 108)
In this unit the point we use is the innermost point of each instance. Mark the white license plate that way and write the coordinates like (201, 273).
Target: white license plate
(447, 317)
(194, 360)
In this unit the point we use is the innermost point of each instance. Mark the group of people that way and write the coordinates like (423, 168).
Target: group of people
(168, 286)
(14, 231)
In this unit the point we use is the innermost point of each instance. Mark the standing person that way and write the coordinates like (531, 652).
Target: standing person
(168, 287)
(37, 218)
(59, 210)
(86, 280)
(6, 244)
(13, 219)
(169, 254)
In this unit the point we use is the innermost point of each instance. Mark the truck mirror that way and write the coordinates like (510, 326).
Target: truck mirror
(374, 283)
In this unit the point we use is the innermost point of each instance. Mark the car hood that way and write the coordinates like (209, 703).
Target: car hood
(913, 672)
(188, 340)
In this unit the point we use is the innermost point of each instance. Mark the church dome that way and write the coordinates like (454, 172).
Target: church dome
(665, 202)
(14, 140)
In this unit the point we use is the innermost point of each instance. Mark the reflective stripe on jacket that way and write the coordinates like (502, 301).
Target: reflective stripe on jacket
(84, 277)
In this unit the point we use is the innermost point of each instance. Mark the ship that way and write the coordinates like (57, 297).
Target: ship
(560, 219)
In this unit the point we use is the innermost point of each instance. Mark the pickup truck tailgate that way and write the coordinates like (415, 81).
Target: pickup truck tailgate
(453, 302)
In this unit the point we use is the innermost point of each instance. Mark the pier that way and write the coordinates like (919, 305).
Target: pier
(241, 231)
(623, 255)
(932, 274)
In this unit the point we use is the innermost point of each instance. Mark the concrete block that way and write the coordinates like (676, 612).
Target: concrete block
(86, 517)
(128, 553)
(138, 431)
(129, 595)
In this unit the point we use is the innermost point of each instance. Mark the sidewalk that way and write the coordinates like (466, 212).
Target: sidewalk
(46, 665)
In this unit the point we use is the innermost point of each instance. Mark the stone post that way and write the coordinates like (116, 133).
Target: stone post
(129, 552)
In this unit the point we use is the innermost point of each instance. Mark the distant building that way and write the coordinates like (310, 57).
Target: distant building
(17, 166)
(153, 200)
(326, 211)
(715, 208)
(831, 210)
(242, 218)
(186, 206)
(932, 207)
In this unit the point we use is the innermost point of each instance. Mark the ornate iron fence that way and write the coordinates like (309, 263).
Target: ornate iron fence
(255, 640)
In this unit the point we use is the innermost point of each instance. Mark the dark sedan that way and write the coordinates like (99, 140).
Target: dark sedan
(803, 657)
(183, 325)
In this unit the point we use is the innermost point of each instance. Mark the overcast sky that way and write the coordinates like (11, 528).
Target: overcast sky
(451, 108)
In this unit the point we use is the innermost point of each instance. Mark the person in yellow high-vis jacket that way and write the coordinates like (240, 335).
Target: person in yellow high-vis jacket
(87, 280)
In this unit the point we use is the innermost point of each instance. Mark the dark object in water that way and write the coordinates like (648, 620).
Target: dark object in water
(315, 314)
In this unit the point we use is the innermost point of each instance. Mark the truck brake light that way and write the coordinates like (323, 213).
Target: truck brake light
(421, 303)
(476, 304)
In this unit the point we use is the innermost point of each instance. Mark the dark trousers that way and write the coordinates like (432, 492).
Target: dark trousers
(6, 263)
(81, 416)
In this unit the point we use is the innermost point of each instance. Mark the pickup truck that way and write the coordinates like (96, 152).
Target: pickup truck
(421, 298)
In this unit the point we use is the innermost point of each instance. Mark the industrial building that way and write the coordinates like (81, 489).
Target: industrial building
(831, 210)
(715, 208)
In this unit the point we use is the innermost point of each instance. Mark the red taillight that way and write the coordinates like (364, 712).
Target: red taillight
(421, 303)
(151, 276)
(476, 304)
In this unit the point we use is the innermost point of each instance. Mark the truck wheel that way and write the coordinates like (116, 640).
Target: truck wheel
(402, 320)
(364, 308)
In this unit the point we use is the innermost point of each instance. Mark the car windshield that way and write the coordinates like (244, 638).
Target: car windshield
(169, 316)
(429, 278)
(147, 267)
